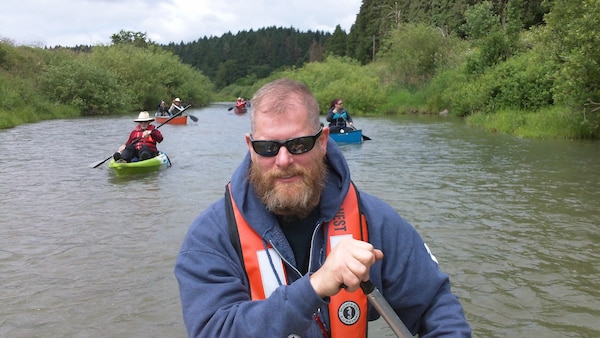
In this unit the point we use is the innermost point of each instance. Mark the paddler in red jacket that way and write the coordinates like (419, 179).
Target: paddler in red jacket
(142, 141)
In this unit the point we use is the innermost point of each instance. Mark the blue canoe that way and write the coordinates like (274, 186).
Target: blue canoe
(348, 136)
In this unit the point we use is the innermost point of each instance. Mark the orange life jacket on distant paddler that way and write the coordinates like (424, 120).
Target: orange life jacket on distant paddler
(347, 311)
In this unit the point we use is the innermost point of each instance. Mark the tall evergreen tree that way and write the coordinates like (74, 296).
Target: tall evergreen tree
(336, 44)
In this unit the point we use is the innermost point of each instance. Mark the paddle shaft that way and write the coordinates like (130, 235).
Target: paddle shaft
(385, 310)
(194, 118)
(139, 138)
(364, 137)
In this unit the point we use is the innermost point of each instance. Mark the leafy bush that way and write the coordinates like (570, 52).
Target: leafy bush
(414, 53)
(38, 84)
(480, 20)
(523, 82)
(151, 74)
(345, 78)
(443, 90)
(83, 84)
(572, 37)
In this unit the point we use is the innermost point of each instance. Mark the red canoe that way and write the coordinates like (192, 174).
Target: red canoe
(240, 110)
(181, 119)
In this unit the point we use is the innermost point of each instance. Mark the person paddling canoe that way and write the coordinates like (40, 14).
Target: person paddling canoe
(284, 251)
(338, 117)
(176, 104)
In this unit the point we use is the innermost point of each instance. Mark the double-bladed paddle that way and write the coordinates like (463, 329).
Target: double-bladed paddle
(139, 138)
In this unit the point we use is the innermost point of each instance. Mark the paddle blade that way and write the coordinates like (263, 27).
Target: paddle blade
(366, 138)
(194, 118)
(230, 109)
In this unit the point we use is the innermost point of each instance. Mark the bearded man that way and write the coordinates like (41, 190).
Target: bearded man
(284, 253)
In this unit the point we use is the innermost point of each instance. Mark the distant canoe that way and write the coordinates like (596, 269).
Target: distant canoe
(181, 119)
(348, 136)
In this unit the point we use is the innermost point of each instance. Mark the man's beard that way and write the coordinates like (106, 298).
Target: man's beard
(290, 199)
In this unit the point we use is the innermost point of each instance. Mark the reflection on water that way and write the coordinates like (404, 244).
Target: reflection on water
(86, 254)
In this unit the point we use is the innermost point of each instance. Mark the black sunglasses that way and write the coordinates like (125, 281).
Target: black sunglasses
(298, 145)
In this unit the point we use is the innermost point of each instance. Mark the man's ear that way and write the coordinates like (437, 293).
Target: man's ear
(248, 142)
(324, 137)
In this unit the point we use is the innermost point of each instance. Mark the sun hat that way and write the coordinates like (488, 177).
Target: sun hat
(144, 116)
(177, 99)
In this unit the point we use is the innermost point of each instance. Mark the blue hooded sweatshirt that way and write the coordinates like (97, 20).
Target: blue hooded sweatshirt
(214, 290)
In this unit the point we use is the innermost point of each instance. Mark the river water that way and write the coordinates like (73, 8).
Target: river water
(514, 222)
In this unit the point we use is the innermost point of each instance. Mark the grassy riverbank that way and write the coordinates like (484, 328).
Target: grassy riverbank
(553, 123)
(36, 114)
(550, 122)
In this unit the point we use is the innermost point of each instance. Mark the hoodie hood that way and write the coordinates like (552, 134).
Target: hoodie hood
(336, 186)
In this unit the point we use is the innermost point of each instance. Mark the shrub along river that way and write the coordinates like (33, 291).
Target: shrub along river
(514, 222)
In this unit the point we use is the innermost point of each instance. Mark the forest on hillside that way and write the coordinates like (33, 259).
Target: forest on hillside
(249, 55)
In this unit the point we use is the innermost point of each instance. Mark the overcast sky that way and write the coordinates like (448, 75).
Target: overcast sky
(90, 22)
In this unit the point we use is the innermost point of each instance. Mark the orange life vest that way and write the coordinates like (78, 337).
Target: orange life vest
(347, 311)
(144, 141)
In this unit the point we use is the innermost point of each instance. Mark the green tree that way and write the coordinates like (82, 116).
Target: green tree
(573, 37)
(413, 53)
(480, 21)
(336, 44)
(230, 57)
(138, 39)
(484, 29)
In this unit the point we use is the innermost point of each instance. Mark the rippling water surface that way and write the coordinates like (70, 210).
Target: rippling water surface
(86, 254)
